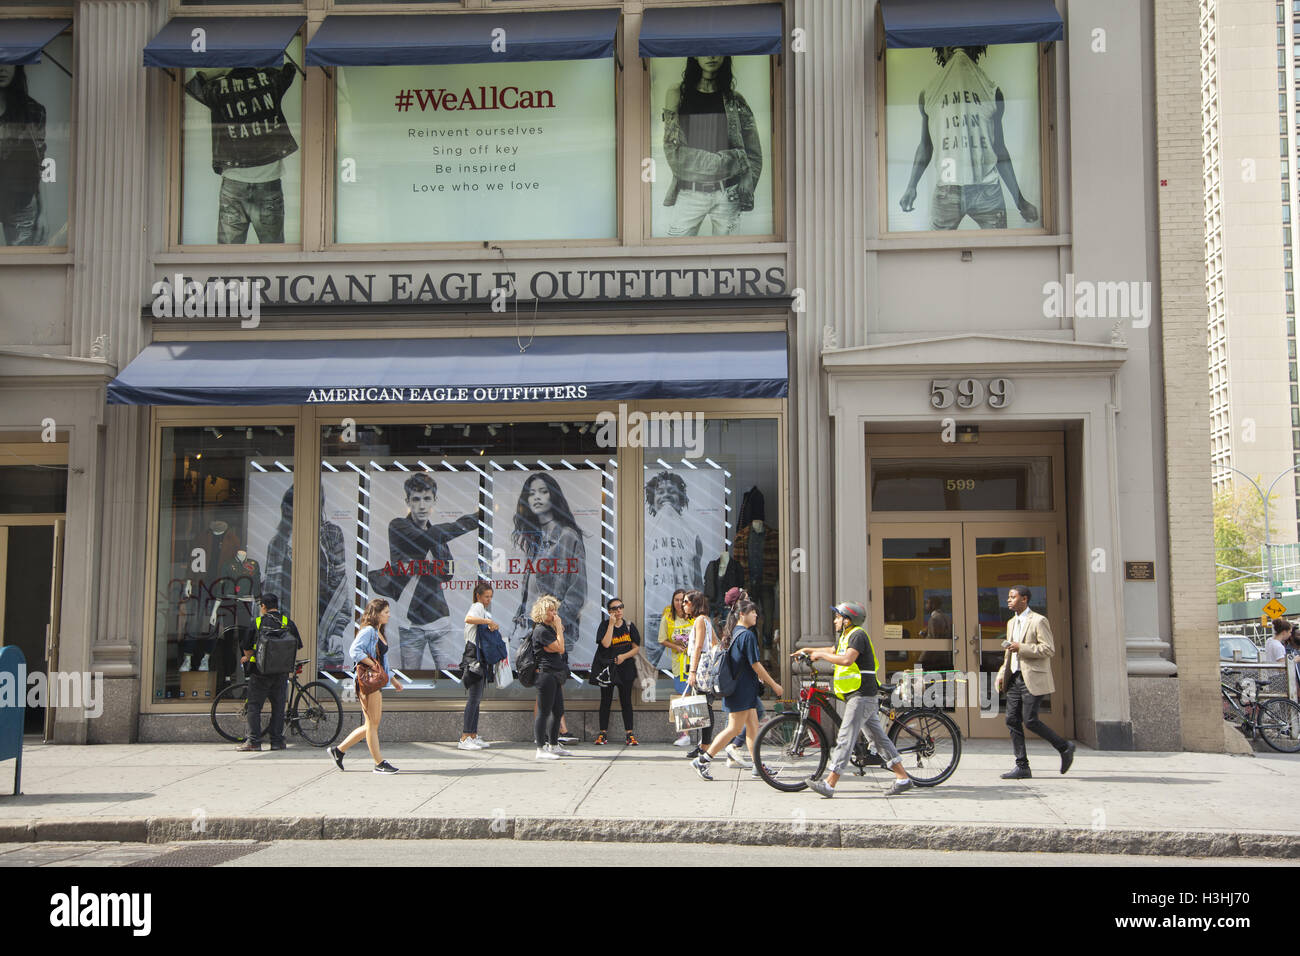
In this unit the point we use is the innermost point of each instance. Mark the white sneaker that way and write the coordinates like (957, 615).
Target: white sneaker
(683, 741)
(466, 744)
(203, 664)
(560, 751)
(544, 753)
(737, 758)
(480, 743)
(185, 665)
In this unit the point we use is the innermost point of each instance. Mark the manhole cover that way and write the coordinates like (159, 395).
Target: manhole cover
(201, 854)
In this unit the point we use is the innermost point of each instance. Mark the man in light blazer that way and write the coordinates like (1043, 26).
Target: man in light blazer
(1026, 674)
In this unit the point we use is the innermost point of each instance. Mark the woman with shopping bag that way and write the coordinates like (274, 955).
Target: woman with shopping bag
(480, 662)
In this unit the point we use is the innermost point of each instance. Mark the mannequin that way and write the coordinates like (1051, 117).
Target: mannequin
(721, 575)
(218, 544)
(757, 550)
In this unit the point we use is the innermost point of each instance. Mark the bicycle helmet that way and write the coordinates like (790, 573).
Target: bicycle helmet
(852, 610)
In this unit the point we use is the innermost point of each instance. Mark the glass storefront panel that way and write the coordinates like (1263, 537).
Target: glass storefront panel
(223, 541)
(418, 514)
(711, 509)
(957, 484)
(1001, 562)
(36, 147)
(33, 489)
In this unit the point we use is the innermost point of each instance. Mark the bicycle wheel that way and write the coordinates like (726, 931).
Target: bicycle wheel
(1279, 724)
(317, 713)
(229, 715)
(785, 762)
(930, 744)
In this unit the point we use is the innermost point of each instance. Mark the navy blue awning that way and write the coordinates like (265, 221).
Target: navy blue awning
(21, 41)
(922, 23)
(711, 31)
(230, 41)
(430, 39)
(458, 371)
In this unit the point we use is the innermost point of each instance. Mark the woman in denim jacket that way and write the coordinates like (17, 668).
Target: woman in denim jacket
(370, 646)
(712, 145)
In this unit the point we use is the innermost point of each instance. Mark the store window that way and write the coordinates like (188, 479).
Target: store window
(711, 142)
(241, 175)
(963, 143)
(33, 489)
(711, 524)
(224, 532)
(418, 514)
(36, 148)
(476, 152)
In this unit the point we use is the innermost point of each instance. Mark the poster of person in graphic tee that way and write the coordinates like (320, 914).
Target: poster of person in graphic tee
(251, 139)
(963, 145)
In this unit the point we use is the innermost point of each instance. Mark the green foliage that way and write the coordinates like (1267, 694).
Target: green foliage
(1238, 537)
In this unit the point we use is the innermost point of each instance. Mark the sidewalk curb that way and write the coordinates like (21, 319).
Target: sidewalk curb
(782, 832)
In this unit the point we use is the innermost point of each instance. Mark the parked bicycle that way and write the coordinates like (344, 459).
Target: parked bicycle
(792, 748)
(312, 710)
(1277, 721)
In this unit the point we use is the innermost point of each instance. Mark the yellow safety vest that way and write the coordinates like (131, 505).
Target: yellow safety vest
(848, 677)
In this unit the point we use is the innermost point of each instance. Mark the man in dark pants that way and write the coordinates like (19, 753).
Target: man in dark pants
(1026, 674)
(261, 686)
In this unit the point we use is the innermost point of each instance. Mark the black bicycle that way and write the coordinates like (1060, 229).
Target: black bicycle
(312, 710)
(1277, 720)
(793, 748)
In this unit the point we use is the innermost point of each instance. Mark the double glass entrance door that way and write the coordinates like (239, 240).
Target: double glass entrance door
(939, 613)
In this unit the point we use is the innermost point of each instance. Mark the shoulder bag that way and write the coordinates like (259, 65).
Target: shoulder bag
(370, 679)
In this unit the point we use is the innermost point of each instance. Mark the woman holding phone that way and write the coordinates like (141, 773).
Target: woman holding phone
(370, 648)
(552, 672)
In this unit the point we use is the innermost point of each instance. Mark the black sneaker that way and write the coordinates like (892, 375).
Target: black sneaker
(279, 746)
(337, 755)
(694, 753)
(384, 767)
(701, 765)
(567, 737)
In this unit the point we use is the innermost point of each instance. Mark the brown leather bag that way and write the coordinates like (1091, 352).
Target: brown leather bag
(370, 679)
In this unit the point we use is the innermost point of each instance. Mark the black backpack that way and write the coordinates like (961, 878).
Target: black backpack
(526, 662)
(275, 649)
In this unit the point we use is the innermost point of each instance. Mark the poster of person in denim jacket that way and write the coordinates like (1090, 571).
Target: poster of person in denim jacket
(713, 140)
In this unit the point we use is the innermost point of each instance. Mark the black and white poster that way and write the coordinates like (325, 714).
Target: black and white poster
(35, 148)
(547, 537)
(685, 529)
(711, 142)
(242, 174)
(962, 126)
(424, 558)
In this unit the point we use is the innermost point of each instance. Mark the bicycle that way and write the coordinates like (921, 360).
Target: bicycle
(312, 710)
(792, 748)
(1277, 721)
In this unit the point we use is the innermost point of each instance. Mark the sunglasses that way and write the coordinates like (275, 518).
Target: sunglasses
(616, 607)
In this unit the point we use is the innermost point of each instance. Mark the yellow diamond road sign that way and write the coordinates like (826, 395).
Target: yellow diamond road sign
(1274, 608)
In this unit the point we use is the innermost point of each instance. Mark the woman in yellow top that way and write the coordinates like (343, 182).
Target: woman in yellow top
(674, 633)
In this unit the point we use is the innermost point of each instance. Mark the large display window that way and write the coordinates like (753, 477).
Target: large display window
(963, 146)
(241, 166)
(711, 142)
(476, 152)
(36, 148)
(225, 525)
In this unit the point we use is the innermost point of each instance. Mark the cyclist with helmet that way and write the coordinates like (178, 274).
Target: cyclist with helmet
(856, 682)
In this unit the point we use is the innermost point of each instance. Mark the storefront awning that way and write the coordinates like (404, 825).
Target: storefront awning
(431, 39)
(459, 371)
(928, 23)
(21, 41)
(712, 31)
(227, 41)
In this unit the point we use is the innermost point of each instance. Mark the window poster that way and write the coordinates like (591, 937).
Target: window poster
(546, 528)
(474, 152)
(240, 159)
(685, 514)
(36, 148)
(424, 558)
(963, 138)
(711, 141)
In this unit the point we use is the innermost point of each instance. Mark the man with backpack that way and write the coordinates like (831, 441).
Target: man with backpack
(857, 683)
(268, 652)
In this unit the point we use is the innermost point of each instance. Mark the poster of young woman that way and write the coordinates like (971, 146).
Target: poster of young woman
(547, 526)
(962, 138)
(35, 148)
(240, 159)
(684, 530)
(424, 558)
(711, 141)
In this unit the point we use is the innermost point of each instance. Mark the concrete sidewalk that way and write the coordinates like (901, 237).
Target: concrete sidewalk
(1179, 804)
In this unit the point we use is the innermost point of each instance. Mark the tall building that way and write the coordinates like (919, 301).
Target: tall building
(1251, 166)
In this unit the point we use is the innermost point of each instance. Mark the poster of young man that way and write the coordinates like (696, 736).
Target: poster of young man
(242, 169)
(476, 151)
(423, 550)
(547, 523)
(963, 138)
(684, 530)
(35, 140)
(711, 141)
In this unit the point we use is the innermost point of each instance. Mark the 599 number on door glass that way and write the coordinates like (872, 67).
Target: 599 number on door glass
(971, 392)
